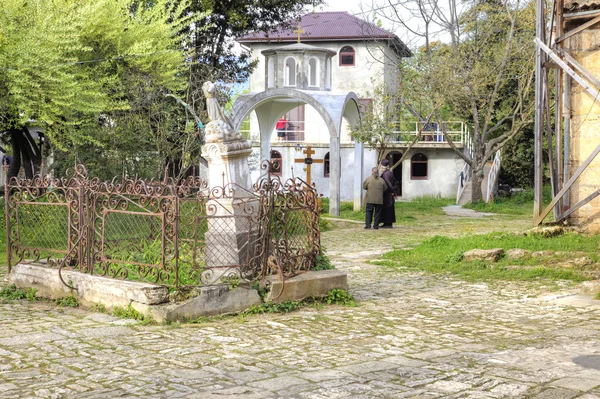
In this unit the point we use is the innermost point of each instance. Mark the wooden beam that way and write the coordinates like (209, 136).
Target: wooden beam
(582, 14)
(579, 204)
(538, 219)
(540, 58)
(567, 69)
(578, 29)
(581, 69)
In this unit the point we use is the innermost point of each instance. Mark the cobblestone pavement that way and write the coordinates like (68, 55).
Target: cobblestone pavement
(413, 336)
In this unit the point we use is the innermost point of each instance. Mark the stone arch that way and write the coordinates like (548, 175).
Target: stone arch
(269, 105)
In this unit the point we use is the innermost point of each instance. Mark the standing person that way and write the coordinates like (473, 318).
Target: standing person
(375, 187)
(281, 127)
(388, 213)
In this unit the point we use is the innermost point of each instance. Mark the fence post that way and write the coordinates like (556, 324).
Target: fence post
(6, 215)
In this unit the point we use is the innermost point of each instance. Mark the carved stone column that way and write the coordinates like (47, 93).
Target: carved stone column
(232, 203)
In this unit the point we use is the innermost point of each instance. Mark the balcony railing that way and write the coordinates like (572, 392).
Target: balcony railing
(405, 132)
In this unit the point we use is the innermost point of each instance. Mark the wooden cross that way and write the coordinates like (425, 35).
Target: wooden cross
(299, 30)
(308, 161)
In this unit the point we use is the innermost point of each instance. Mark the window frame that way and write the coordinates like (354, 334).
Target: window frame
(275, 172)
(326, 165)
(343, 53)
(286, 73)
(413, 161)
(310, 70)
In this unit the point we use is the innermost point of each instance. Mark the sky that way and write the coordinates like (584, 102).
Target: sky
(352, 6)
(357, 7)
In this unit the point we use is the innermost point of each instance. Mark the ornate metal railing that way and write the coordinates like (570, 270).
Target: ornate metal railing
(163, 232)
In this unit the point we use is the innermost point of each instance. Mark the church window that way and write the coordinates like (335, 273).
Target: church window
(290, 71)
(313, 72)
(276, 163)
(347, 56)
(418, 167)
(326, 165)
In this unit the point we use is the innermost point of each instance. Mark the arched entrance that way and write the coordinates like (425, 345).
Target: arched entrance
(270, 104)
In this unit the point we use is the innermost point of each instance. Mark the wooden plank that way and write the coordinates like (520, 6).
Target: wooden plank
(540, 58)
(579, 205)
(578, 29)
(581, 69)
(582, 14)
(567, 69)
(538, 219)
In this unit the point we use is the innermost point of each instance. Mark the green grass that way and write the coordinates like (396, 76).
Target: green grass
(444, 255)
(406, 211)
(13, 293)
(520, 203)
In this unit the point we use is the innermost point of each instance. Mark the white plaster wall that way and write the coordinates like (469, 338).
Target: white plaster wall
(315, 128)
(361, 78)
(444, 167)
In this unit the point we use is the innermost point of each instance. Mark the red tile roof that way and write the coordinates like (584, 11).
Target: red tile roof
(328, 26)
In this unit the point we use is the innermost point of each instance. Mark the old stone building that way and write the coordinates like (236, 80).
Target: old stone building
(317, 75)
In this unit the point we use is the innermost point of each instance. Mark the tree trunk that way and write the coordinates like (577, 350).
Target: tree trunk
(476, 180)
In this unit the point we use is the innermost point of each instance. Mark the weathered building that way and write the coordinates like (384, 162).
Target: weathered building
(317, 76)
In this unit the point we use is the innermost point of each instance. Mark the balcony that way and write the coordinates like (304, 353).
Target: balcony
(432, 134)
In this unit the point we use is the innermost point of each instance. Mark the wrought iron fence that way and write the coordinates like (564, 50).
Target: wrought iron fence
(163, 232)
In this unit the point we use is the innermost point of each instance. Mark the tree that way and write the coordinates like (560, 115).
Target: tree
(385, 118)
(65, 66)
(484, 74)
(487, 78)
(215, 26)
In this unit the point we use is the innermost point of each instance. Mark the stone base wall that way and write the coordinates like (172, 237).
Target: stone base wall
(585, 130)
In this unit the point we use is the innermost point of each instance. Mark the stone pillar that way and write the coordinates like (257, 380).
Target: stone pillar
(230, 206)
(334, 175)
(585, 128)
(358, 175)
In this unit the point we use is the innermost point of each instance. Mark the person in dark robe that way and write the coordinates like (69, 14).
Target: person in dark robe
(388, 213)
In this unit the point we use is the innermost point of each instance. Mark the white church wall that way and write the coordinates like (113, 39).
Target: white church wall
(315, 130)
(443, 169)
(360, 78)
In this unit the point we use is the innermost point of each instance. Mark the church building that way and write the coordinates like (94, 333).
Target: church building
(312, 82)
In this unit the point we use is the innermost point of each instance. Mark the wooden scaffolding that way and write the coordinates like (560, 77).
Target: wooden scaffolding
(560, 31)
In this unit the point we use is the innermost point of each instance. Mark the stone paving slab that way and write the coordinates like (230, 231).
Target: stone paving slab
(413, 336)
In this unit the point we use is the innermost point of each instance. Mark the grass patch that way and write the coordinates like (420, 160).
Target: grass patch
(13, 293)
(323, 262)
(444, 255)
(406, 211)
(128, 312)
(520, 203)
(67, 302)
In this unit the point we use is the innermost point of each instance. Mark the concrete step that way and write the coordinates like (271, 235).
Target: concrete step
(466, 195)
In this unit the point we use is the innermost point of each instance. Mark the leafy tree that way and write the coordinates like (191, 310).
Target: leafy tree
(487, 78)
(66, 66)
(484, 75)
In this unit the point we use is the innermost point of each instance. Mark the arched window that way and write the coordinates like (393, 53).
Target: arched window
(313, 72)
(347, 56)
(271, 72)
(276, 163)
(418, 167)
(290, 71)
(326, 165)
